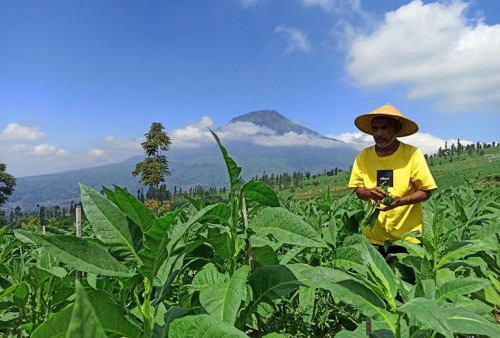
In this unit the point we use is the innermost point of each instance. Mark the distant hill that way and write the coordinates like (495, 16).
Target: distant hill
(193, 166)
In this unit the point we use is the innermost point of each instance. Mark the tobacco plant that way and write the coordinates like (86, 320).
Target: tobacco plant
(255, 265)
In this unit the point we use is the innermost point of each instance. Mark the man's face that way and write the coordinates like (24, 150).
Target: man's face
(384, 131)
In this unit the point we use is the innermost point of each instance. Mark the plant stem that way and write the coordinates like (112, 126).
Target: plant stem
(148, 288)
(398, 325)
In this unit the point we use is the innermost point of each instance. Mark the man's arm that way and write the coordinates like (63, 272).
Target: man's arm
(378, 194)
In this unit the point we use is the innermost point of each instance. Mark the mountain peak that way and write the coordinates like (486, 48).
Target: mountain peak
(275, 121)
(262, 117)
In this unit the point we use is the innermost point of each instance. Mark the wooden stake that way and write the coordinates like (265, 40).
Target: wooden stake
(78, 214)
(245, 220)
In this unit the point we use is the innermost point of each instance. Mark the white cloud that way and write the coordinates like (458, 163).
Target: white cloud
(19, 148)
(250, 132)
(15, 132)
(196, 134)
(237, 130)
(358, 140)
(123, 144)
(95, 153)
(427, 143)
(292, 139)
(296, 39)
(46, 149)
(435, 50)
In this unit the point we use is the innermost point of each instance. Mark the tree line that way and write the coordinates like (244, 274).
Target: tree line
(455, 151)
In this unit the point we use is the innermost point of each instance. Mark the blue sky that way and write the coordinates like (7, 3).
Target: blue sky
(82, 81)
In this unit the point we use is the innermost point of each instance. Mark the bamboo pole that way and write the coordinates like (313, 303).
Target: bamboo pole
(78, 223)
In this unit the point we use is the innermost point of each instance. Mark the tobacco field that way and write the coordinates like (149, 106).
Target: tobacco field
(256, 266)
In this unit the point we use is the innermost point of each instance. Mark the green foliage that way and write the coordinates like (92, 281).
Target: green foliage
(7, 184)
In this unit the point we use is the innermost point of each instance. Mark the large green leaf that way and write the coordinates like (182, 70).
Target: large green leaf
(270, 282)
(221, 241)
(429, 313)
(232, 168)
(307, 297)
(290, 255)
(21, 294)
(109, 223)
(380, 271)
(84, 321)
(79, 253)
(133, 208)
(55, 326)
(203, 326)
(462, 249)
(172, 314)
(349, 257)
(215, 212)
(208, 276)
(426, 288)
(413, 249)
(260, 192)
(113, 318)
(347, 288)
(461, 286)
(264, 255)
(285, 227)
(467, 322)
(172, 266)
(154, 250)
(223, 300)
(350, 334)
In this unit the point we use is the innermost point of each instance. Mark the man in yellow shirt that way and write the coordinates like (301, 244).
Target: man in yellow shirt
(397, 165)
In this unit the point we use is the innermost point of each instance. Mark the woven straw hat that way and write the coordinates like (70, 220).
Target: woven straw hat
(408, 127)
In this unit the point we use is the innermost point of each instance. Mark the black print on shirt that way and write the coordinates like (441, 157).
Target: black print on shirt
(385, 176)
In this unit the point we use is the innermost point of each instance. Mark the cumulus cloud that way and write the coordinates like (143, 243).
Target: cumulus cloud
(427, 143)
(123, 144)
(46, 149)
(358, 140)
(291, 139)
(296, 39)
(239, 129)
(19, 148)
(96, 153)
(16, 132)
(196, 134)
(435, 50)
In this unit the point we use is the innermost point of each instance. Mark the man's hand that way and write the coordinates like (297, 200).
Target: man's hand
(398, 201)
(417, 197)
(375, 194)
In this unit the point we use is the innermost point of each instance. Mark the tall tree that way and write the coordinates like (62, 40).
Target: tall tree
(7, 184)
(154, 168)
